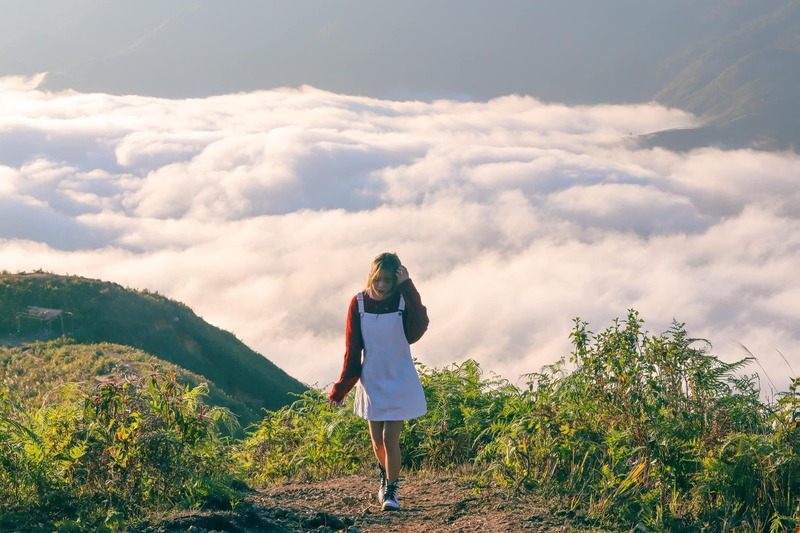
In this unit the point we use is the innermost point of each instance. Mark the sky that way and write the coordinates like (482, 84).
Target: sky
(379, 48)
(262, 211)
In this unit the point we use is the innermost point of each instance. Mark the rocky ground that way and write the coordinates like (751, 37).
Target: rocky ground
(428, 504)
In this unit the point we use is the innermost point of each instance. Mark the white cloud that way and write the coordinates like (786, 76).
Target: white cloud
(643, 209)
(262, 212)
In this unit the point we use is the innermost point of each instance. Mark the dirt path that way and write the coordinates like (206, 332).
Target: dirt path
(428, 504)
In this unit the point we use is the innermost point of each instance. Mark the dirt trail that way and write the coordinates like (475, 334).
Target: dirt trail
(428, 504)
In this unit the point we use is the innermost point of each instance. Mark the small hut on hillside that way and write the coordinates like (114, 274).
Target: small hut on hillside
(44, 318)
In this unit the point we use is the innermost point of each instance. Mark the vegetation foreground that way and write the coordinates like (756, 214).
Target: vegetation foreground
(646, 431)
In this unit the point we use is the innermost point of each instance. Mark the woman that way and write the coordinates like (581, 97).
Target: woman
(382, 321)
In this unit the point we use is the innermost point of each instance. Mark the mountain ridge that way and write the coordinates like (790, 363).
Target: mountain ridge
(100, 311)
(744, 86)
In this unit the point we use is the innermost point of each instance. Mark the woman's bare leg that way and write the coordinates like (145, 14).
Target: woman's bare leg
(377, 436)
(391, 446)
(386, 445)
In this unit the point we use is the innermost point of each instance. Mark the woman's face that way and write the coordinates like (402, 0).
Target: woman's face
(383, 283)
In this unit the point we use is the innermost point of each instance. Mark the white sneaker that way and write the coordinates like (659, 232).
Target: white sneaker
(390, 502)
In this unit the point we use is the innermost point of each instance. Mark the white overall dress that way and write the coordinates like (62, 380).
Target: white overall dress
(389, 388)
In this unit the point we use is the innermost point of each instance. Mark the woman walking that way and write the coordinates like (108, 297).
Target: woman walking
(382, 322)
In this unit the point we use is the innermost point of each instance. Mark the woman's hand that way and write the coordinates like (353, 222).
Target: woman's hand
(333, 403)
(402, 274)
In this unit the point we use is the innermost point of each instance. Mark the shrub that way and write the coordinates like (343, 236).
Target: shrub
(653, 430)
(306, 440)
(461, 406)
(126, 450)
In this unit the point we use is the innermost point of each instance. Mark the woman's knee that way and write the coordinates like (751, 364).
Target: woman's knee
(376, 432)
(391, 433)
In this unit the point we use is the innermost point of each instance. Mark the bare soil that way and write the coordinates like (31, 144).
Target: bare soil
(433, 504)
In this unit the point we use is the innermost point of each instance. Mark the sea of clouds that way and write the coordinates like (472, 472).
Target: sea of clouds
(263, 210)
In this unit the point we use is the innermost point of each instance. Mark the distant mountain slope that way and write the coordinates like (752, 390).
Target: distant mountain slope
(100, 311)
(745, 85)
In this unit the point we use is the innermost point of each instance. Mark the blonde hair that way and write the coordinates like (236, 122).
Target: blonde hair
(388, 262)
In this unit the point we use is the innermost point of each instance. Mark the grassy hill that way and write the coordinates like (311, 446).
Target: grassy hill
(94, 311)
(40, 370)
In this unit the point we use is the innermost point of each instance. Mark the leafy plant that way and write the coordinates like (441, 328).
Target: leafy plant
(127, 449)
(652, 430)
(305, 440)
(461, 405)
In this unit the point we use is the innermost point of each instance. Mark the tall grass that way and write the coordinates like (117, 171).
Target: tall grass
(101, 460)
(653, 430)
(305, 440)
(630, 429)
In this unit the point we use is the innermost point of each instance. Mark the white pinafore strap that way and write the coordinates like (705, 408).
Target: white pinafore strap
(400, 308)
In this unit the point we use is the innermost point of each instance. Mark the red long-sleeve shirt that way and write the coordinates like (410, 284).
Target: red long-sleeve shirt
(415, 323)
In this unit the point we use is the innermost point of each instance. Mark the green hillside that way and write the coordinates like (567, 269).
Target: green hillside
(43, 369)
(93, 311)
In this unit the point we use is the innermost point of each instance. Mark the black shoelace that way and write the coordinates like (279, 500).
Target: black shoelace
(391, 491)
